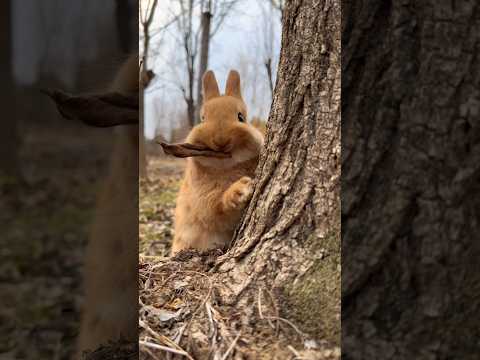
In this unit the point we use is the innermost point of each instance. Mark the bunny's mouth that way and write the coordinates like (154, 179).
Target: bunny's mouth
(184, 150)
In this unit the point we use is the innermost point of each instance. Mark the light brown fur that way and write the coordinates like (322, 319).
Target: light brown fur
(215, 190)
(111, 261)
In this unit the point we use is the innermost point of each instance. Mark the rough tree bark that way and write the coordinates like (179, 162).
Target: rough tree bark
(410, 170)
(289, 240)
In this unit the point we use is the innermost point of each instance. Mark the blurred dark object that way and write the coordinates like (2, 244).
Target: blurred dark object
(121, 350)
(9, 141)
(51, 168)
(410, 180)
(99, 110)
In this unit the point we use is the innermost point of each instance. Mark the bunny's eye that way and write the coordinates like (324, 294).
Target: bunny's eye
(240, 117)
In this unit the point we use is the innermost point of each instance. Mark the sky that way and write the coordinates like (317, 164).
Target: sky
(246, 35)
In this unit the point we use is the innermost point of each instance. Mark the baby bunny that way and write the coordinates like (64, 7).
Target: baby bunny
(223, 152)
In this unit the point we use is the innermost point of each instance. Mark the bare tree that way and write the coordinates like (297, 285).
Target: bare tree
(204, 47)
(195, 39)
(146, 18)
(268, 37)
(146, 75)
(189, 42)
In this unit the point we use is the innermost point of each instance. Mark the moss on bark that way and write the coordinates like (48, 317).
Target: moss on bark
(313, 301)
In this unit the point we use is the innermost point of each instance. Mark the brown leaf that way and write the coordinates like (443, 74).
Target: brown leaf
(187, 150)
(99, 110)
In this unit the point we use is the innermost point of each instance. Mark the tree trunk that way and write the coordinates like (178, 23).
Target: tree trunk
(410, 115)
(279, 283)
(204, 46)
(189, 99)
(190, 48)
(287, 247)
(289, 238)
(8, 135)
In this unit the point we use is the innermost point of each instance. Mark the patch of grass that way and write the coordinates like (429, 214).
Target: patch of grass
(158, 196)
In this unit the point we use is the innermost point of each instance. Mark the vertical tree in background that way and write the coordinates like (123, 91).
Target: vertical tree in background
(189, 42)
(204, 47)
(195, 41)
(269, 13)
(8, 135)
(146, 18)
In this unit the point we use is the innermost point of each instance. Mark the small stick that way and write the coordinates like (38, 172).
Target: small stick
(260, 303)
(260, 309)
(230, 348)
(302, 335)
(165, 348)
(149, 352)
(295, 352)
(210, 318)
(277, 313)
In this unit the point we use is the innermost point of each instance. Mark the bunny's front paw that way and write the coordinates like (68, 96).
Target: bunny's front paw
(238, 194)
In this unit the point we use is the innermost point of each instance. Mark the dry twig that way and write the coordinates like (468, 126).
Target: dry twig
(165, 348)
(230, 348)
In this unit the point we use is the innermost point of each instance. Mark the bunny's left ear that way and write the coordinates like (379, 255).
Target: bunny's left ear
(233, 84)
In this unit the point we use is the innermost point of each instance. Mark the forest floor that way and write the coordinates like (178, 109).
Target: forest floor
(179, 308)
(45, 216)
(157, 195)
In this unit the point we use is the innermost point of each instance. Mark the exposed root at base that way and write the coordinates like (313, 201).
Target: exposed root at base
(183, 315)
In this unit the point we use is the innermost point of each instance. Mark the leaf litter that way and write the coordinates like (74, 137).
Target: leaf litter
(182, 314)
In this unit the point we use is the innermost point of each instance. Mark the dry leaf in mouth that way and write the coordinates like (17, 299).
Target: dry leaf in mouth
(188, 150)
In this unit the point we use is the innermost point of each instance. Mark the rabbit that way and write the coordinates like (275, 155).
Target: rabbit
(111, 260)
(223, 152)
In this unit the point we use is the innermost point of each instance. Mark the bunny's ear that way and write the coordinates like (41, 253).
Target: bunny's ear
(210, 86)
(233, 84)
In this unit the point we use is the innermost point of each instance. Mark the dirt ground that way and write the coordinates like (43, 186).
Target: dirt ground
(180, 315)
(45, 220)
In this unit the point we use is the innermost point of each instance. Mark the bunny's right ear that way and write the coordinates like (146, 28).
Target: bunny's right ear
(210, 86)
(233, 84)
